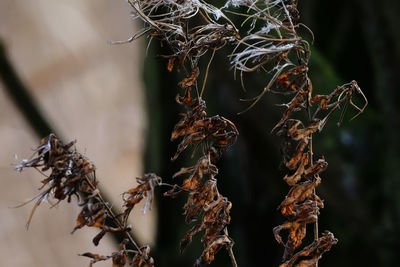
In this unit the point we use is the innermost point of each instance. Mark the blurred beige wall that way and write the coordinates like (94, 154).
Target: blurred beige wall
(89, 91)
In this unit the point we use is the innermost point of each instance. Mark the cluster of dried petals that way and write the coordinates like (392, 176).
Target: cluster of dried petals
(214, 222)
(213, 135)
(301, 205)
(72, 174)
(196, 128)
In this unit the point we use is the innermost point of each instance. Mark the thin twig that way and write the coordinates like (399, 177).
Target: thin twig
(206, 75)
(114, 218)
(231, 255)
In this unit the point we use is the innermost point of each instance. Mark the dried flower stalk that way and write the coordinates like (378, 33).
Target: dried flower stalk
(191, 29)
(72, 174)
(277, 48)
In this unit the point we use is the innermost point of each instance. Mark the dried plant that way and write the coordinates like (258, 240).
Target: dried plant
(276, 48)
(72, 174)
(192, 29)
(214, 135)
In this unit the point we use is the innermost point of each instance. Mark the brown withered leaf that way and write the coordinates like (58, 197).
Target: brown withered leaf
(201, 168)
(306, 208)
(303, 214)
(176, 190)
(145, 189)
(214, 129)
(286, 126)
(293, 78)
(297, 232)
(194, 114)
(324, 99)
(308, 263)
(295, 104)
(171, 63)
(298, 134)
(314, 251)
(189, 235)
(143, 258)
(175, 60)
(290, 129)
(317, 168)
(213, 247)
(187, 82)
(191, 103)
(215, 219)
(294, 178)
(298, 155)
(98, 237)
(222, 140)
(308, 92)
(95, 257)
(93, 214)
(297, 194)
(199, 199)
(107, 229)
(189, 140)
(119, 258)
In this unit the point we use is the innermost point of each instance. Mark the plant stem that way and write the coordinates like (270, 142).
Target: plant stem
(231, 255)
(310, 147)
(114, 218)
